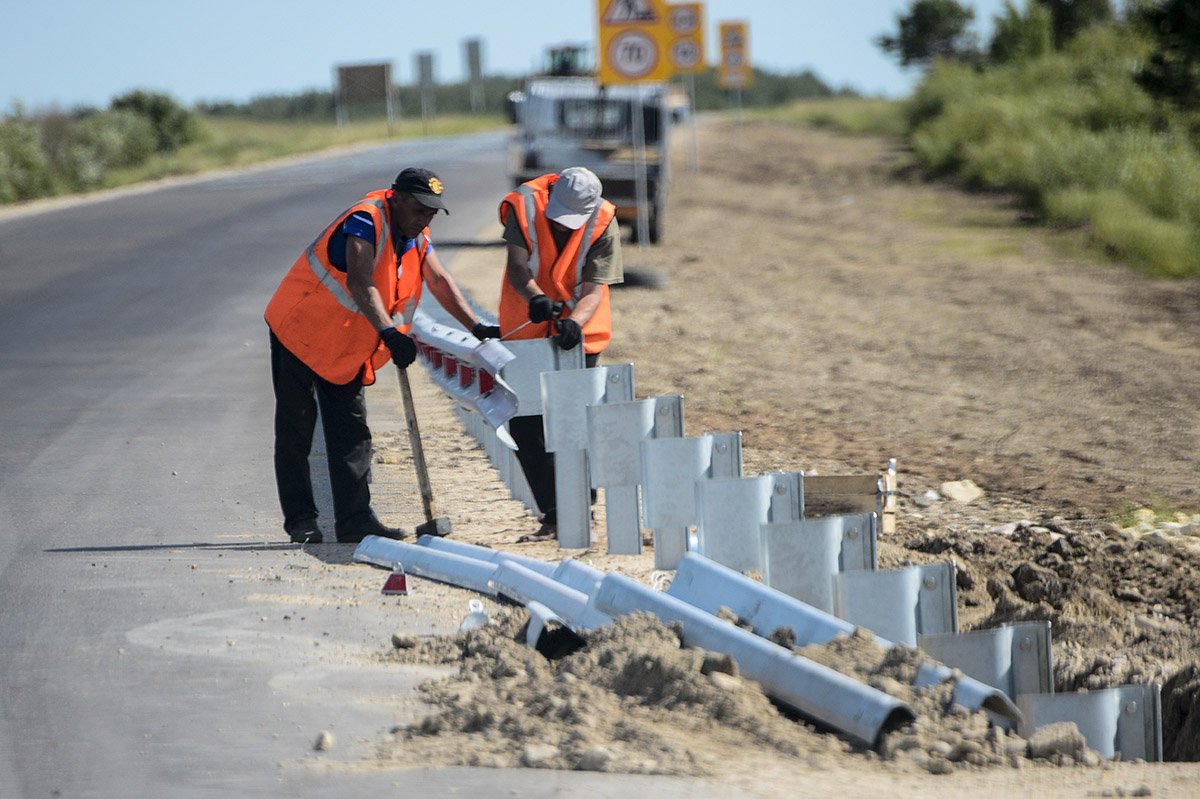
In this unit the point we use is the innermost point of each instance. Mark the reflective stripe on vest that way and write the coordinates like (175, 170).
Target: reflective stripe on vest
(339, 293)
(410, 307)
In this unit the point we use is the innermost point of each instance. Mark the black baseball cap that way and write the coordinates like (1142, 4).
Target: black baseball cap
(422, 184)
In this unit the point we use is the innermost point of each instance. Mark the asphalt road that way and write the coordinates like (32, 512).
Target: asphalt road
(135, 408)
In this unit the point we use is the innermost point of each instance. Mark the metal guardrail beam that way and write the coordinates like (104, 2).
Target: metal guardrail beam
(483, 553)
(817, 691)
(433, 564)
(711, 586)
(466, 368)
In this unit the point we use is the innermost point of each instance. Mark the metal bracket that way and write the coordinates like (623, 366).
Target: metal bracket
(566, 396)
(730, 512)
(616, 431)
(1014, 657)
(524, 372)
(800, 558)
(899, 604)
(1125, 721)
(671, 467)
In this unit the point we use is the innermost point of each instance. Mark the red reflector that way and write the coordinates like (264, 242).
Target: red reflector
(486, 382)
(397, 582)
(449, 365)
(435, 358)
(466, 375)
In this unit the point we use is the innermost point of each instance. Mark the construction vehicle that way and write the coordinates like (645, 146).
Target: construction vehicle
(565, 118)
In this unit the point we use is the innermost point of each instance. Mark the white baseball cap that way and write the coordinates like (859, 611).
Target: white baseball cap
(573, 197)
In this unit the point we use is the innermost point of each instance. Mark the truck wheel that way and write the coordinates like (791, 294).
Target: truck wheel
(653, 226)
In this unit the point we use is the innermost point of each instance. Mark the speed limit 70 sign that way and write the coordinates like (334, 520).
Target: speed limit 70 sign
(634, 39)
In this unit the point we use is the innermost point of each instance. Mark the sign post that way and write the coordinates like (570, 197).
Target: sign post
(427, 84)
(475, 74)
(634, 36)
(735, 73)
(687, 58)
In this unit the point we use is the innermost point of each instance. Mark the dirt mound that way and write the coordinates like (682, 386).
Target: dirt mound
(634, 700)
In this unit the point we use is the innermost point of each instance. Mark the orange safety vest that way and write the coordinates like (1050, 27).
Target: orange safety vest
(316, 318)
(558, 274)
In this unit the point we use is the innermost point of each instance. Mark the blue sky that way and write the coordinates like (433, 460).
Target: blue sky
(85, 52)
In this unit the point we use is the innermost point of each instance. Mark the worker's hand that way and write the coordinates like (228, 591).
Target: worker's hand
(569, 334)
(404, 349)
(541, 308)
(482, 331)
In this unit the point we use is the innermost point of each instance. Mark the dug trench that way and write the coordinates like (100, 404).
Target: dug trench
(812, 292)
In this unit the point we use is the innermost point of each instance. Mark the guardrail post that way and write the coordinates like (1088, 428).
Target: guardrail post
(671, 467)
(800, 558)
(899, 604)
(1016, 658)
(616, 431)
(565, 398)
(731, 511)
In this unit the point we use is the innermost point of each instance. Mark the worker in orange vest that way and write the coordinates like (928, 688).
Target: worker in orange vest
(563, 252)
(341, 312)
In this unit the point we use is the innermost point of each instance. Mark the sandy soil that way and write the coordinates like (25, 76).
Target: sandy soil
(820, 298)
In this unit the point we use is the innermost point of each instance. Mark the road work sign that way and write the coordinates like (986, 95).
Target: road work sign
(686, 21)
(734, 72)
(634, 39)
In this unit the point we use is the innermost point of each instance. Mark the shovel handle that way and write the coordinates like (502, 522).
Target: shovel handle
(418, 452)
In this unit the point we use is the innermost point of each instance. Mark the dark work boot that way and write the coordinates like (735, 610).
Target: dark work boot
(306, 531)
(368, 524)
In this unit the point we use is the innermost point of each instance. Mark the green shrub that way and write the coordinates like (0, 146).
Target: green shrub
(1018, 36)
(1124, 229)
(105, 141)
(1072, 133)
(24, 173)
(174, 126)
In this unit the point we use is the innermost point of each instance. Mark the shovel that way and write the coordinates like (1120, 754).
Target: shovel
(439, 526)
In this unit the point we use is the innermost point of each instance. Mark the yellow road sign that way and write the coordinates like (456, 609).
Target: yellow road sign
(634, 39)
(734, 71)
(686, 52)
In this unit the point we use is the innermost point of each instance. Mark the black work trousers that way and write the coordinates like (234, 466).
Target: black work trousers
(538, 464)
(299, 391)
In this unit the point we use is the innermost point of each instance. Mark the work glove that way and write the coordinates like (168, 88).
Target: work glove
(404, 349)
(541, 308)
(482, 331)
(569, 334)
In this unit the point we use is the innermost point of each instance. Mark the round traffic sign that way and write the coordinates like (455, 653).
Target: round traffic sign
(633, 54)
(683, 20)
(685, 53)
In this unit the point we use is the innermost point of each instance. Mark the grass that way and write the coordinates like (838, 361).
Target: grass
(853, 115)
(1073, 135)
(230, 142)
(1129, 514)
